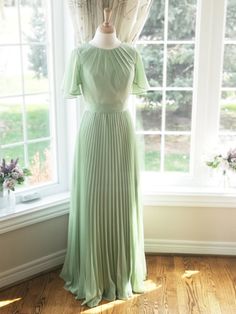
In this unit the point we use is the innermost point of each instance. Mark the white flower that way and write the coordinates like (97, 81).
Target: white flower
(17, 173)
(9, 184)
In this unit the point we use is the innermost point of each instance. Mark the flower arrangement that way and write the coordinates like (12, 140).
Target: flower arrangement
(224, 162)
(11, 174)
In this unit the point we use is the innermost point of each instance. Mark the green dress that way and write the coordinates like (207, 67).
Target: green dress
(105, 254)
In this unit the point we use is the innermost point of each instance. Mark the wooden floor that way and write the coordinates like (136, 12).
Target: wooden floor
(176, 284)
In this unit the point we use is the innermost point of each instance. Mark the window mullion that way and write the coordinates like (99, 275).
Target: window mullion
(24, 119)
(163, 124)
(216, 64)
(57, 112)
(207, 78)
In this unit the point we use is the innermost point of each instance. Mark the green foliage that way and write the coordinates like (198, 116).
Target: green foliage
(182, 19)
(228, 111)
(152, 161)
(38, 55)
(37, 123)
(180, 65)
(229, 73)
(231, 107)
(230, 20)
(25, 2)
(151, 100)
(215, 163)
(177, 162)
(11, 125)
(153, 63)
(154, 26)
(173, 162)
(181, 102)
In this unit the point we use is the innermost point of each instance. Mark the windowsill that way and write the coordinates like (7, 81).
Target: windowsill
(187, 190)
(29, 213)
(190, 196)
(58, 204)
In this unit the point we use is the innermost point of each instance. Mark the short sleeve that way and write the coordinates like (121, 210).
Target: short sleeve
(140, 82)
(71, 83)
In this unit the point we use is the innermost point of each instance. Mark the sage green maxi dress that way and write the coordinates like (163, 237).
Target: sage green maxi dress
(105, 254)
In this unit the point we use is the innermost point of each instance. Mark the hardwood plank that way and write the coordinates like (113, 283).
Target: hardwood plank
(192, 296)
(208, 287)
(225, 291)
(183, 303)
(176, 284)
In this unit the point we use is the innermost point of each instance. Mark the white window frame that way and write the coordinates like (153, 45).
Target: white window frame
(208, 64)
(58, 115)
(209, 39)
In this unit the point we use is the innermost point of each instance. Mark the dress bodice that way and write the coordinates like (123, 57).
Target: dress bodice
(105, 77)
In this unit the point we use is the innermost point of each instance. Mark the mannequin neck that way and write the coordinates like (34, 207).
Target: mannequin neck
(105, 40)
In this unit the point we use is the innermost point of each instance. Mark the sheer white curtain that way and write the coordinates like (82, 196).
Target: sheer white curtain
(128, 17)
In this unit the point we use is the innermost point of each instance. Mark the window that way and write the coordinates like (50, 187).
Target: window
(28, 88)
(178, 121)
(227, 126)
(164, 116)
(188, 49)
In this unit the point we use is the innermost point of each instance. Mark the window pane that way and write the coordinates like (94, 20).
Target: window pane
(177, 149)
(180, 65)
(151, 147)
(227, 141)
(229, 71)
(35, 68)
(153, 62)
(9, 31)
(24, 71)
(149, 111)
(178, 110)
(182, 19)
(40, 160)
(11, 129)
(228, 111)
(13, 153)
(230, 20)
(33, 21)
(154, 26)
(10, 71)
(37, 108)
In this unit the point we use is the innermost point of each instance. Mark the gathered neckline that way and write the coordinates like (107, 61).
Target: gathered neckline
(106, 49)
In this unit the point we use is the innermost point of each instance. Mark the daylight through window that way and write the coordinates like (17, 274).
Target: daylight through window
(164, 115)
(26, 87)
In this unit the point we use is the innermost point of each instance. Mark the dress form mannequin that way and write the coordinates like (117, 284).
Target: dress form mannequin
(105, 36)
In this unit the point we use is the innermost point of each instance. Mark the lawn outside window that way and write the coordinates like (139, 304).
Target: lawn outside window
(188, 50)
(31, 111)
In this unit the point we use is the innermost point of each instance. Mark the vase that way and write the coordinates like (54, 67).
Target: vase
(11, 199)
(2, 203)
(232, 179)
(226, 181)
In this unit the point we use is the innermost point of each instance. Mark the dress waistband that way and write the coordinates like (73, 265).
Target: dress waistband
(106, 111)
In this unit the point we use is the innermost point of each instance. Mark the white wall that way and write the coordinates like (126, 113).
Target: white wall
(41, 246)
(190, 224)
(32, 242)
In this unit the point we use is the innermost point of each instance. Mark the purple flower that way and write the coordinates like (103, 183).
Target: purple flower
(11, 174)
(7, 168)
(231, 154)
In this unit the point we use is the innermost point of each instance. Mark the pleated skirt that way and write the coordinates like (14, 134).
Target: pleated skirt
(105, 248)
